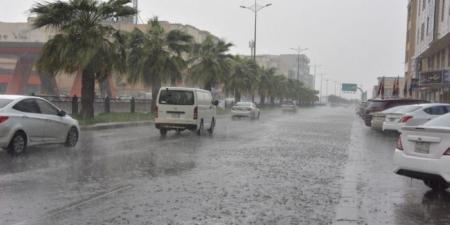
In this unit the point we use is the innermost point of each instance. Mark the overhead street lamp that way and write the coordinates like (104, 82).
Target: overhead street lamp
(255, 8)
(299, 51)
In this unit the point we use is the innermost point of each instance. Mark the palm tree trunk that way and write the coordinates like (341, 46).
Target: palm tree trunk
(237, 96)
(272, 100)
(87, 93)
(156, 85)
(208, 86)
(262, 100)
(173, 82)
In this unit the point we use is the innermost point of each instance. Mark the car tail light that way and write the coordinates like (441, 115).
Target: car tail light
(399, 144)
(447, 152)
(156, 112)
(3, 119)
(405, 119)
(195, 113)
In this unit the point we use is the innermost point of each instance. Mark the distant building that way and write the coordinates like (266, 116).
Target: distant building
(287, 65)
(389, 87)
(410, 50)
(20, 46)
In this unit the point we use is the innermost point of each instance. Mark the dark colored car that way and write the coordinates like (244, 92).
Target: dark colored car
(378, 105)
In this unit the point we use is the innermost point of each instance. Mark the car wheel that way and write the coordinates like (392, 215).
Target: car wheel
(213, 125)
(437, 185)
(72, 137)
(163, 132)
(200, 129)
(18, 144)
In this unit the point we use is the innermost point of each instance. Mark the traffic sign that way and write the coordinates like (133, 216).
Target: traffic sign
(349, 87)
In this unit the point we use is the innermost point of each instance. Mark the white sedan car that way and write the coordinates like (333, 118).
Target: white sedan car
(245, 109)
(423, 152)
(26, 121)
(393, 116)
(426, 113)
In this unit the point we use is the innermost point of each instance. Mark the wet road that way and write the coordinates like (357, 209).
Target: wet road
(319, 166)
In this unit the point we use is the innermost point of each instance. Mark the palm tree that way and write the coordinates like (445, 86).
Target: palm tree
(265, 83)
(155, 56)
(242, 77)
(85, 41)
(211, 63)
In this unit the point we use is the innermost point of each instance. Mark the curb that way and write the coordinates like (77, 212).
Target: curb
(105, 126)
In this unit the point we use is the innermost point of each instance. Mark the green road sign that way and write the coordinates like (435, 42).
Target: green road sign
(349, 87)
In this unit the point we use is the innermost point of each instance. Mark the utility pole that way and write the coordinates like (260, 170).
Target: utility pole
(315, 73)
(255, 8)
(326, 91)
(321, 85)
(299, 51)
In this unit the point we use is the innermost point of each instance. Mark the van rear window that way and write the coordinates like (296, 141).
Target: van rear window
(175, 97)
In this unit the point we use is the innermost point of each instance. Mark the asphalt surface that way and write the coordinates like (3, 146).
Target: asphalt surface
(318, 166)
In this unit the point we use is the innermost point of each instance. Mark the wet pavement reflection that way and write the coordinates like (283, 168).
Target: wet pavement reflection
(317, 166)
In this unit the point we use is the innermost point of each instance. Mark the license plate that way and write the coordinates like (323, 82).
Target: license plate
(392, 119)
(176, 115)
(422, 148)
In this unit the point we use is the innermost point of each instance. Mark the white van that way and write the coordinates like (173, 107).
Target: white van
(180, 108)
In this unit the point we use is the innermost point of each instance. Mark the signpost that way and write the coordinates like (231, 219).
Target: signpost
(346, 87)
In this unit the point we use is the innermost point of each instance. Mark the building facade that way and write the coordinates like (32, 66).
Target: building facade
(429, 66)
(20, 47)
(389, 85)
(290, 65)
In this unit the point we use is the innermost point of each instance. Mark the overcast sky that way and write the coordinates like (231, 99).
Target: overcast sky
(354, 40)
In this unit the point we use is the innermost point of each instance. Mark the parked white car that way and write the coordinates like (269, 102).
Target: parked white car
(423, 152)
(393, 116)
(245, 109)
(426, 113)
(180, 108)
(27, 121)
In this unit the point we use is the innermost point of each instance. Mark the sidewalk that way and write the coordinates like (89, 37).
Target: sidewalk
(104, 126)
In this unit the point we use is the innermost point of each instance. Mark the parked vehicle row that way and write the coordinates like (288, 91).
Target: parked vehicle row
(422, 150)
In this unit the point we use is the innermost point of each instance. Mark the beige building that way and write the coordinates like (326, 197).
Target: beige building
(288, 65)
(430, 65)
(14, 36)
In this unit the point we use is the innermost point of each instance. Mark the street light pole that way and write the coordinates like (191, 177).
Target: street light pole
(321, 85)
(315, 72)
(255, 9)
(299, 51)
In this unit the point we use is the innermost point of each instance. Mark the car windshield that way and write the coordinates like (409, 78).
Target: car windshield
(175, 97)
(244, 104)
(442, 121)
(4, 102)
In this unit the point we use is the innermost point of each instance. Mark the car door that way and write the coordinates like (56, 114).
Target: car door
(31, 120)
(203, 108)
(56, 128)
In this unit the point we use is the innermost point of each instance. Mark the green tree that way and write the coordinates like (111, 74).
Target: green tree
(85, 41)
(155, 56)
(211, 62)
(242, 77)
(265, 83)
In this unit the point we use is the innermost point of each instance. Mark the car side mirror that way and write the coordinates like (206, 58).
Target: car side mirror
(62, 113)
(215, 102)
